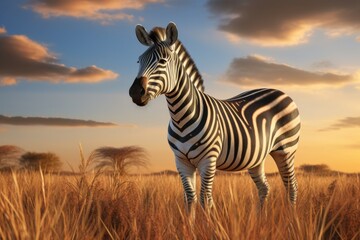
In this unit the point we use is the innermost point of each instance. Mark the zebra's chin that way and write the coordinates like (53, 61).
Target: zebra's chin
(141, 101)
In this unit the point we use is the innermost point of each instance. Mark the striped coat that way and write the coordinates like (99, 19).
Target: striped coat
(208, 134)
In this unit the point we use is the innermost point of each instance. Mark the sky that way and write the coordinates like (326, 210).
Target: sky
(66, 67)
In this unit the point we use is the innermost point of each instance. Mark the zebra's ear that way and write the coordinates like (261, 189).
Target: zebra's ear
(143, 36)
(171, 33)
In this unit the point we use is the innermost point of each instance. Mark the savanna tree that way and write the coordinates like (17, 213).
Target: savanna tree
(47, 162)
(119, 160)
(316, 168)
(9, 157)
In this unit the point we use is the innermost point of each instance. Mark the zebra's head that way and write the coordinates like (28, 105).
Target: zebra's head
(157, 65)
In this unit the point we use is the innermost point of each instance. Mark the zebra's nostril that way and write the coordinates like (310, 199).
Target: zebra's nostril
(142, 92)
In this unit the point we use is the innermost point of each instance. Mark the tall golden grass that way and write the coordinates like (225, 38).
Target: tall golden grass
(34, 205)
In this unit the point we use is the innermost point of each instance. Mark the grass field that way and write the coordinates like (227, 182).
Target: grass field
(91, 206)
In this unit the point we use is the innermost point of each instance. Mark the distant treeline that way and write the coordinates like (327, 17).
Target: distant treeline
(106, 159)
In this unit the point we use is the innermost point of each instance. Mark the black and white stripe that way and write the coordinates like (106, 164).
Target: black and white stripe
(208, 134)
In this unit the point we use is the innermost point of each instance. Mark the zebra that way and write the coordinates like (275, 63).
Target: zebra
(205, 133)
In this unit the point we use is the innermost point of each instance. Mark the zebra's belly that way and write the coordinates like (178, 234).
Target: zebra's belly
(242, 157)
(236, 164)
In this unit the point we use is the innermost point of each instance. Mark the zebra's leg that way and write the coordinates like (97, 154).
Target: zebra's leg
(258, 176)
(285, 163)
(207, 168)
(188, 178)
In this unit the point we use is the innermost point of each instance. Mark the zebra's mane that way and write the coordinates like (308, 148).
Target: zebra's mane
(158, 35)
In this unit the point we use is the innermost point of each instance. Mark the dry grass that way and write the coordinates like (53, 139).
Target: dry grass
(95, 206)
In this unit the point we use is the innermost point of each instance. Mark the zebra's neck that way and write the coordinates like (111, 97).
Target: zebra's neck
(184, 102)
(189, 66)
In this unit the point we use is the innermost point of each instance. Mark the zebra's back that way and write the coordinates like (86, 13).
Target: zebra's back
(254, 124)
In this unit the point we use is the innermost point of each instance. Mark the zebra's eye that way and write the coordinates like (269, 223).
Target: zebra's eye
(162, 61)
(138, 61)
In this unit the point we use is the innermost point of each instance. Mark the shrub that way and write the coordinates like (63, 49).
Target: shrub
(48, 162)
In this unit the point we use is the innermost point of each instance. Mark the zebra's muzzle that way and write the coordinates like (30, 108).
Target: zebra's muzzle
(138, 91)
(141, 101)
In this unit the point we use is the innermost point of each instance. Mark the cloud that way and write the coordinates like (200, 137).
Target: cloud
(348, 122)
(279, 23)
(324, 64)
(353, 146)
(255, 70)
(103, 11)
(7, 81)
(62, 122)
(23, 58)
(2, 30)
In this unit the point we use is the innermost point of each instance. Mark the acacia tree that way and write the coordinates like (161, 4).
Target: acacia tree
(47, 162)
(119, 160)
(9, 157)
(315, 168)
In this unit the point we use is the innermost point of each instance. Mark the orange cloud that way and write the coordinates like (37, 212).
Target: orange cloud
(280, 23)
(348, 122)
(83, 75)
(104, 11)
(23, 58)
(7, 81)
(2, 30)
(260, 71)
(62, 122)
